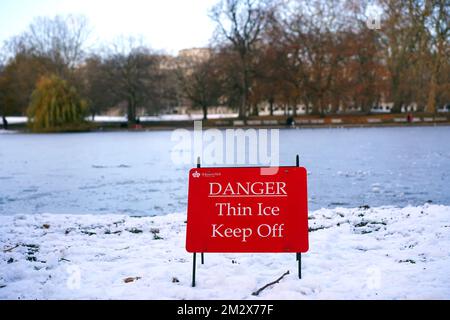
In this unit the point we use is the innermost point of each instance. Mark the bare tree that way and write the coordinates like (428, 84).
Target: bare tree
(439, 30)
(408, 30)
(96, 85)
(287, 36)
(200, 81)
(61, 39)
(3, 88)
(240, 24)
(270, 77)
(18, 79)
(133, 72)
(309, 34)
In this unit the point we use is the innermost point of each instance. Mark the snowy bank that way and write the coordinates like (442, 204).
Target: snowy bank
(362, 253)
(3, 131)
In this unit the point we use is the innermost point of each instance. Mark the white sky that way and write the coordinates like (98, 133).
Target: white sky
(169, 25)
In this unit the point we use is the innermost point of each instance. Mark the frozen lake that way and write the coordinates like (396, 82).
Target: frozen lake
(132, 172)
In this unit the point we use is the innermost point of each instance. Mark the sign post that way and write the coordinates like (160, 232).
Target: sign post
(299, 254)
(241, 210)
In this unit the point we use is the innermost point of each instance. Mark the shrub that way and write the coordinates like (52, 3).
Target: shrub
(56, 106)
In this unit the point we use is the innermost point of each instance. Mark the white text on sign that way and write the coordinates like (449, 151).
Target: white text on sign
(226, 209)
(263, 231)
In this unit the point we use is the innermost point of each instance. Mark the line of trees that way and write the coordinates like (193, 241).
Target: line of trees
(327, 56)
(126, 74)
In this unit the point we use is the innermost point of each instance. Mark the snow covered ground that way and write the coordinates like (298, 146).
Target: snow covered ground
(2, 131)
(167, 117)
(361, 253)
(15, 120)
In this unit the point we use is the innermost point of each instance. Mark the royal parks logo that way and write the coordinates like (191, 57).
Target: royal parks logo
(205, 174)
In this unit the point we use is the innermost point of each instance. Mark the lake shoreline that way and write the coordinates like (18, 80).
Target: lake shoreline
(166, 126)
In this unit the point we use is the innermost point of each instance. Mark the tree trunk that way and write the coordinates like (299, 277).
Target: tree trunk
(205, 112)
(131, 113)
(315, 107)
(271, 101)
(321, 106)
(243, 108)
(246, 89)
(294, 108)
(255, 110)
(335, 105)
(5, 123)
(397, 107)
(431, 103)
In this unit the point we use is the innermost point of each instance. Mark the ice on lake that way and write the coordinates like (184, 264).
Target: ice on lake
(132, 172)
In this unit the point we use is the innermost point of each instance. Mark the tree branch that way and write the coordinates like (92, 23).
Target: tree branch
(257, 292)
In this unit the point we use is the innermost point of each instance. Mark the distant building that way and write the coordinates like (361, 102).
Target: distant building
(168, 62)
(198, 54)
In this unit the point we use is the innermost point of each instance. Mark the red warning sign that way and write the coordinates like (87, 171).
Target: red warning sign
(242, 210)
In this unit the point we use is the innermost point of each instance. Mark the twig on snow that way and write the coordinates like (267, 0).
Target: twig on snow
(257, 292)
(11, 249)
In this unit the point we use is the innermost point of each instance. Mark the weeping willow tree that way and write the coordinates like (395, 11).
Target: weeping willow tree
(56, 106)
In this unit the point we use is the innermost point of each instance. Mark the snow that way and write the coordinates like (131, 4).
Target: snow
(359, 253)
(2, 131)
(16, 120)
(168, 117)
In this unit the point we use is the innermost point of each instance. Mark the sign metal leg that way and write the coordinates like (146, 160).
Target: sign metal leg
(193, 270)
(299, 255)
(199, 166)
(299, 259)
(202, 254)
